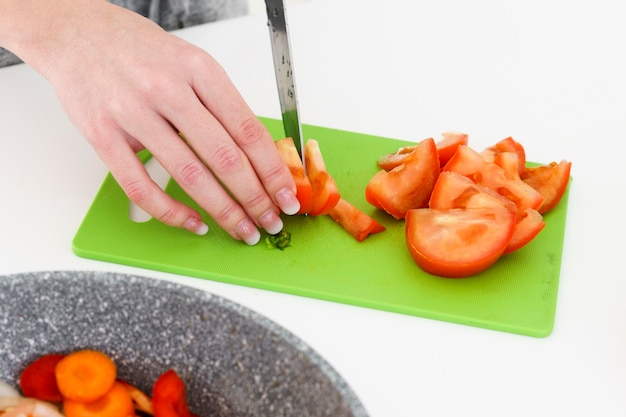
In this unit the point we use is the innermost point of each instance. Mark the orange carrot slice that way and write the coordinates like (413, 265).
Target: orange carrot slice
(85, 375)
(114, 403)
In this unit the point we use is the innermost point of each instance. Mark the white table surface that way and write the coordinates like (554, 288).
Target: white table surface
(549, 73)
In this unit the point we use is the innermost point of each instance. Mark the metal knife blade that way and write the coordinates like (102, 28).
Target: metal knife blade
(283, 68)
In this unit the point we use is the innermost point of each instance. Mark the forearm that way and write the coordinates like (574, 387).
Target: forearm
(37, 30)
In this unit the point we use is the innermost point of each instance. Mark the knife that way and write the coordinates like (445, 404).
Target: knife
(283, 69)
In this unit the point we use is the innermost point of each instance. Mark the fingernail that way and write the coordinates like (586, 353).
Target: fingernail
(287, 201)
(248, 232)
(271, 222)
(196, 226)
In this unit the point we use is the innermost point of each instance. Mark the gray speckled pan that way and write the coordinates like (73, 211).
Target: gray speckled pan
(234, 361)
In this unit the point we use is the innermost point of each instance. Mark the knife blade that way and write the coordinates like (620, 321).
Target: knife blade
(283, 69)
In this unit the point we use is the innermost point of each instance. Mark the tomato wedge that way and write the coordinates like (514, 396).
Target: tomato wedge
(449, 143)
(457, 243)
(354, 221)
(38, 380)
(446, 147)
(325, 191)
(407, 186)
(550, 181)
(507, 145)
(304, 192)
(471, 164)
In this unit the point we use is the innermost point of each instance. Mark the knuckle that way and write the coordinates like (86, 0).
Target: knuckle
(137, 191)
(224, 215)
(250, 132)
(255, 199)
(191, 174)
(227, 158)
(168, 216)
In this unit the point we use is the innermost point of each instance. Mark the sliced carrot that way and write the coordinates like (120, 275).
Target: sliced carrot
(354, 221)
(38, 379)
(116, 402)
(85, 375)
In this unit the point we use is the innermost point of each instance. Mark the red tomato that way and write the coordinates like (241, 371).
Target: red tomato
(507, 145)
(409, 185)
(325, 191)
(458, 243)
(471, 164)
(289, 154)
(550, 181)
(354, 221)
(525, 230)
(446, 147)
(169, 397)
(38, 380)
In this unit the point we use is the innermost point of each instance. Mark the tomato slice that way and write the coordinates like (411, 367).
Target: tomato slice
(507, 145)
(38, 380)
(457, 243)
(169, 397)
(325, 191)
(550, 181)
(289, 154)
(525, 230)
(407, 186)
(471, 164)
(354, 221)
(446, 147)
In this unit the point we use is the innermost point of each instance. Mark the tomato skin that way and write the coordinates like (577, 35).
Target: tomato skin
(304, 192)
(325, 191)
(458, 243)
(38, 380)
(354, 221)
(550, 181)
(526, 229)
(169, 397)
(409, 185)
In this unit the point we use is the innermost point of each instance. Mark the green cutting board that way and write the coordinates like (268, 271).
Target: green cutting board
(518, 294)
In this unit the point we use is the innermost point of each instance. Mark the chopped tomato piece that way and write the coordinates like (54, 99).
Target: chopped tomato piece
(325, 191)
(392, 160)
(289, 154)
(407, 186)
(453, 190)
(507, 145)
(38, 379)
(356, 222)
(446, 147)
(550, 181)
(457, 243)
(471, 164)
(168, 396)
(525, 230)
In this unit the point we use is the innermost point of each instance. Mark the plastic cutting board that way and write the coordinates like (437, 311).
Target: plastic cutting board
(518, 294)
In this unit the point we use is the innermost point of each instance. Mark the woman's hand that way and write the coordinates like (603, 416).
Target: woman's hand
(126, 84)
